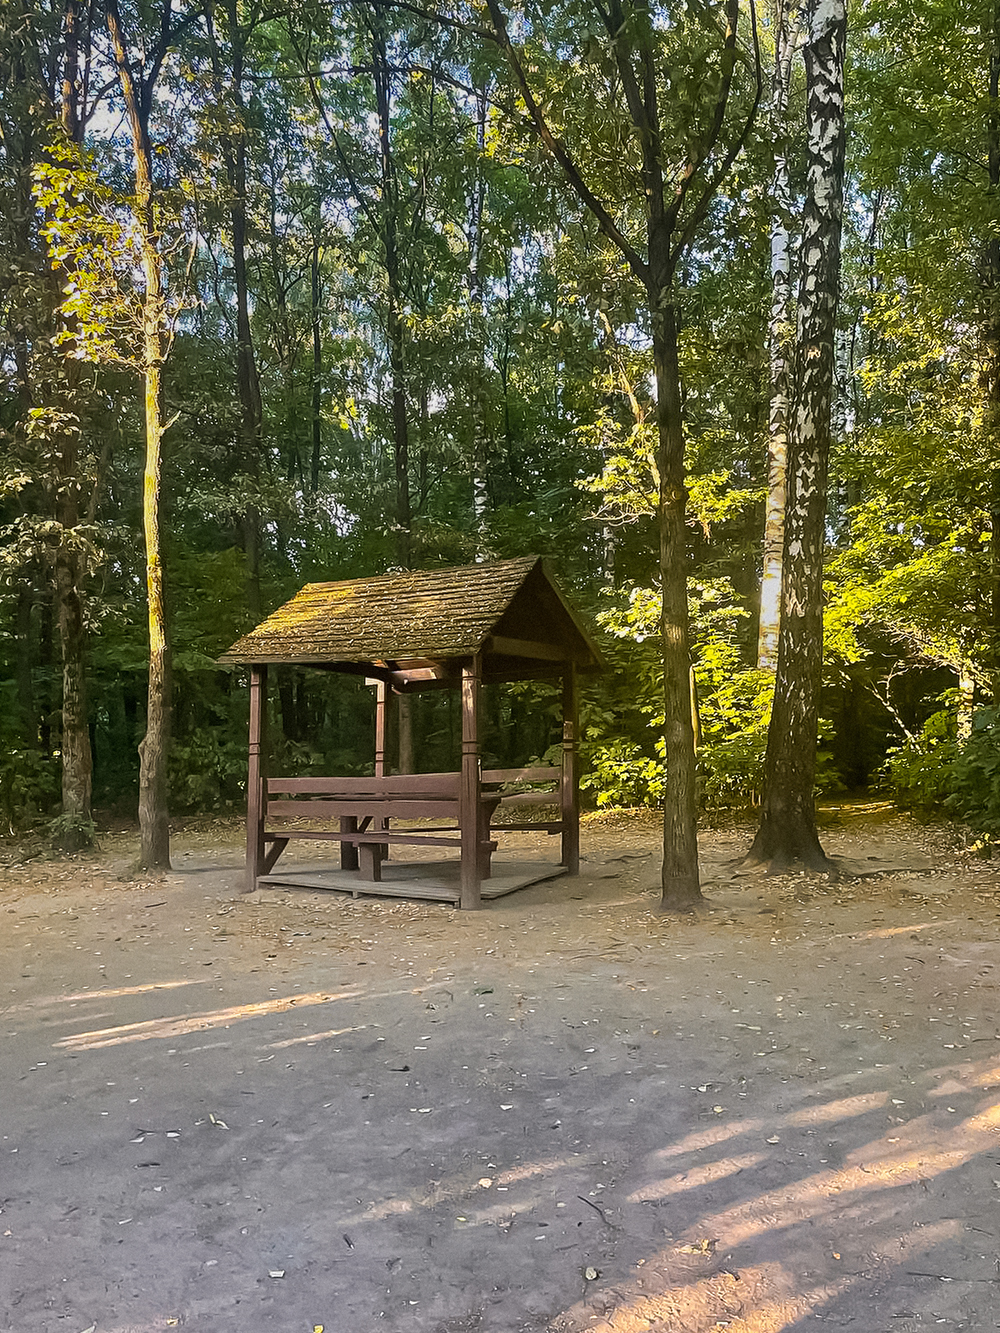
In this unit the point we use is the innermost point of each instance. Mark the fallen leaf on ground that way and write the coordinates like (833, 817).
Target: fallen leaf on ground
(703, 1246)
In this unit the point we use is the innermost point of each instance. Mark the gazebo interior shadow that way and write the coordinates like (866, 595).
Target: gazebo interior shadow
(450, 629)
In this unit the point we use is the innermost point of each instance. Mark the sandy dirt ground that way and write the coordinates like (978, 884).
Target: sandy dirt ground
(292, 1111)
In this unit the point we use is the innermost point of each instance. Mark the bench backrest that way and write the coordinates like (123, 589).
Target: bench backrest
(410, 785)
(509, 776)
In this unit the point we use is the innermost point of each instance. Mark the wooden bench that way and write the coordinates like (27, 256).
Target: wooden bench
(362, 809)
(520, 786)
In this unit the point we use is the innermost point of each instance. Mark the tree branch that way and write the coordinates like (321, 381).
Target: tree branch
(560, 152)
(693, 166)
(320, 106)
(707, 194)
(641, 102)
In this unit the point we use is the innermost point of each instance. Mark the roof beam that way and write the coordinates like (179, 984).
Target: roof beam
(545, 652)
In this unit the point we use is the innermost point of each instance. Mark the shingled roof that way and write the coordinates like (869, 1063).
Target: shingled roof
(507, 609)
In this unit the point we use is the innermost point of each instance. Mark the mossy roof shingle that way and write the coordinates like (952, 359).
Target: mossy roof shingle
(436, 614)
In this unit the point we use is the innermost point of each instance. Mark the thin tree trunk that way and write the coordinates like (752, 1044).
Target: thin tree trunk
(247, 378)
(58, 382)
(317, 362)
(77, 758)
(153, 814)
(404, 726)
(395, 330)
(477, 201)
(787, 829)
(23, 656)
(234, 154)
(990, 285)
(680, 879)
(780, 339)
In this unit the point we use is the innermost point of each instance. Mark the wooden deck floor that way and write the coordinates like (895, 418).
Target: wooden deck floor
(434, 881)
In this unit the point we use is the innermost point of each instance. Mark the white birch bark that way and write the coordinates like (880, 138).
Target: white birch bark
(780, 335)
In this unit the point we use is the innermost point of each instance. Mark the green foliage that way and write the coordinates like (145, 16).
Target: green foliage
(734, 705)
(71, 833)
(525, 368)
(936, 773)
(735, 708)
(918, 773)
(207, 771)
(620, 775)
(29, 785)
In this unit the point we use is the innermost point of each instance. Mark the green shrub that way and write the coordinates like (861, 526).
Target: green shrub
(29, 785)
(623, 753)
(621, 775)
(974, 775)
(919, 772)
(207, 771)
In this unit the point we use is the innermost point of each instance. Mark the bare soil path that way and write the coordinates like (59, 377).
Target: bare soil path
(564, 1113)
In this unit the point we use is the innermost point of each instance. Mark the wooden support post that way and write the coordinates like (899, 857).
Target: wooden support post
(468, 818)
(381, 692)
(348, 850)
(569, 787)
(381, 717)
(256, 770)
(371, 862)
(404, 732)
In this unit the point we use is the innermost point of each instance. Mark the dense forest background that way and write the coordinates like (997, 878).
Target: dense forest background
(319, 256)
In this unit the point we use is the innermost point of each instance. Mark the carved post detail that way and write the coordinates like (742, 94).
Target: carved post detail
(381, 690)
(256, 797)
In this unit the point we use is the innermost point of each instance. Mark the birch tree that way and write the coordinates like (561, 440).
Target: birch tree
(780, 334)
(787, 829)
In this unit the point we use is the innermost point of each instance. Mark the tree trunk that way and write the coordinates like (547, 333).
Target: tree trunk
(316, 452)
(480, 448)
(780, 341)
(27, 729)
(787, 829)
(395, 330)
(247, 379)
(680, 881)
(76, 757)
(154, 828)
(990, 374)
(404, 732)
(234, 154)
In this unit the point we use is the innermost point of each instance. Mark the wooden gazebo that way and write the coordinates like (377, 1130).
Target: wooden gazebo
(436, 629)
